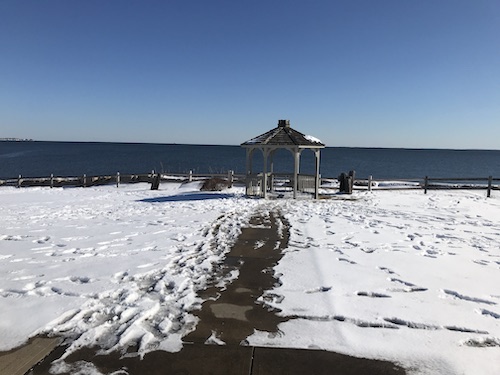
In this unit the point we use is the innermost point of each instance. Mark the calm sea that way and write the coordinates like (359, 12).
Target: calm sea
(39, 159)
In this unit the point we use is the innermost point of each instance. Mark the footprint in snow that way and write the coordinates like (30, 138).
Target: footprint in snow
(346, 260)
(408, 287)
(463, 297)
(179, 238)
(481, 262)
(80, 279)
(488, 313)
(482, 342)
(413, 325)
(42, 240)
(7, 237)
(386, 270)
(367, 251)
(372, 294)
(319, 289)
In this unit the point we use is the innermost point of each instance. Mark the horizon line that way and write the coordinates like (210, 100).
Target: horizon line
(29, 140)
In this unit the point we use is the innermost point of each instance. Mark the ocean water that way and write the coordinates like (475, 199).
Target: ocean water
(40, 159)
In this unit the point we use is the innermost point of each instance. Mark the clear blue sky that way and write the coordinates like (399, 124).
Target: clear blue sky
(401, 73)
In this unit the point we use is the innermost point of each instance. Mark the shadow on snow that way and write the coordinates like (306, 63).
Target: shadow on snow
(187, 197)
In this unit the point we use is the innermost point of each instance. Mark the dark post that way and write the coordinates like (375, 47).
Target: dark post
(488, 194)
(426, 184)
(84, 179)
(352, 175)
(370, 178)
(51, 180)
(346, 182)
(155, 182)
(342, 182)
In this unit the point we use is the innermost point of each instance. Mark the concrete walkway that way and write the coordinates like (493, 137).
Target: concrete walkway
(236, 313)
(231, 315)
(20, 360)
(200, 359)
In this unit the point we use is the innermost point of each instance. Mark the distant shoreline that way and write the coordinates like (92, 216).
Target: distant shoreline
(16, 140)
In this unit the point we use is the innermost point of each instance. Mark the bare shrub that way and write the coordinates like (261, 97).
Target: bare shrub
(214, 184)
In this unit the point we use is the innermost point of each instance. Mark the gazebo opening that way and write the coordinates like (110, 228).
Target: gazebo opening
(271, 149)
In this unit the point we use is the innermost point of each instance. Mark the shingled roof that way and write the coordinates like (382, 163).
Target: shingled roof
(284, 135)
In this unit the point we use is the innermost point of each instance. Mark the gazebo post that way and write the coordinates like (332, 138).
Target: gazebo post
(317, 180)
(249, 160)
(264, 177)
(249, 169)
(296, 173)
(271, 154)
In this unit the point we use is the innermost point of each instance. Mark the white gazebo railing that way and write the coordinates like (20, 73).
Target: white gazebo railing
(279, 183)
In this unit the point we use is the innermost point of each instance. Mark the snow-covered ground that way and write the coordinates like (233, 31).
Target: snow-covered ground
(395, 275)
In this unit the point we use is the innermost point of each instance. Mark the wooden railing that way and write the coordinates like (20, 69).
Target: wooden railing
(88, 180)
(280, 182)
(430, 183)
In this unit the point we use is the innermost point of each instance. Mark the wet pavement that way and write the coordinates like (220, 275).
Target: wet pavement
(200, 359)
(233, 313)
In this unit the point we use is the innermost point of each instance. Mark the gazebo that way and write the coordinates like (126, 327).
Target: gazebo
(281, 137)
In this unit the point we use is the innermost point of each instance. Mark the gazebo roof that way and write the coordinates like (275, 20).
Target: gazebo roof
(284, 135)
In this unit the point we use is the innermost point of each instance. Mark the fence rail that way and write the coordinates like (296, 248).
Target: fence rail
(430, 183)
(87, 181)
(278, 181)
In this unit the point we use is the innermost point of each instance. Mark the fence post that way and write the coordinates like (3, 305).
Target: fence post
(370, 178)
(51, 180)
(117, 179)
(190, 177)
(488, 194)
(19, 181)
(230, 176)
(84, 179)
(426, 184)
(155, 182)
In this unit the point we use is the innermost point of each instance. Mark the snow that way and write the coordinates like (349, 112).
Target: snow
(313, 139)
(398, 275)
(106, 265)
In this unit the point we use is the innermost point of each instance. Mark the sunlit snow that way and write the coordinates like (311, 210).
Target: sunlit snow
(398, 275)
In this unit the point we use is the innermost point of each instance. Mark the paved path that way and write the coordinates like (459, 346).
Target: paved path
(235, 314)
(200, 359)
(20, 360)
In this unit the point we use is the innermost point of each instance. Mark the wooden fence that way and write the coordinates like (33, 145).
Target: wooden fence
(87, 181)
(430, 183)
(306, 184)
